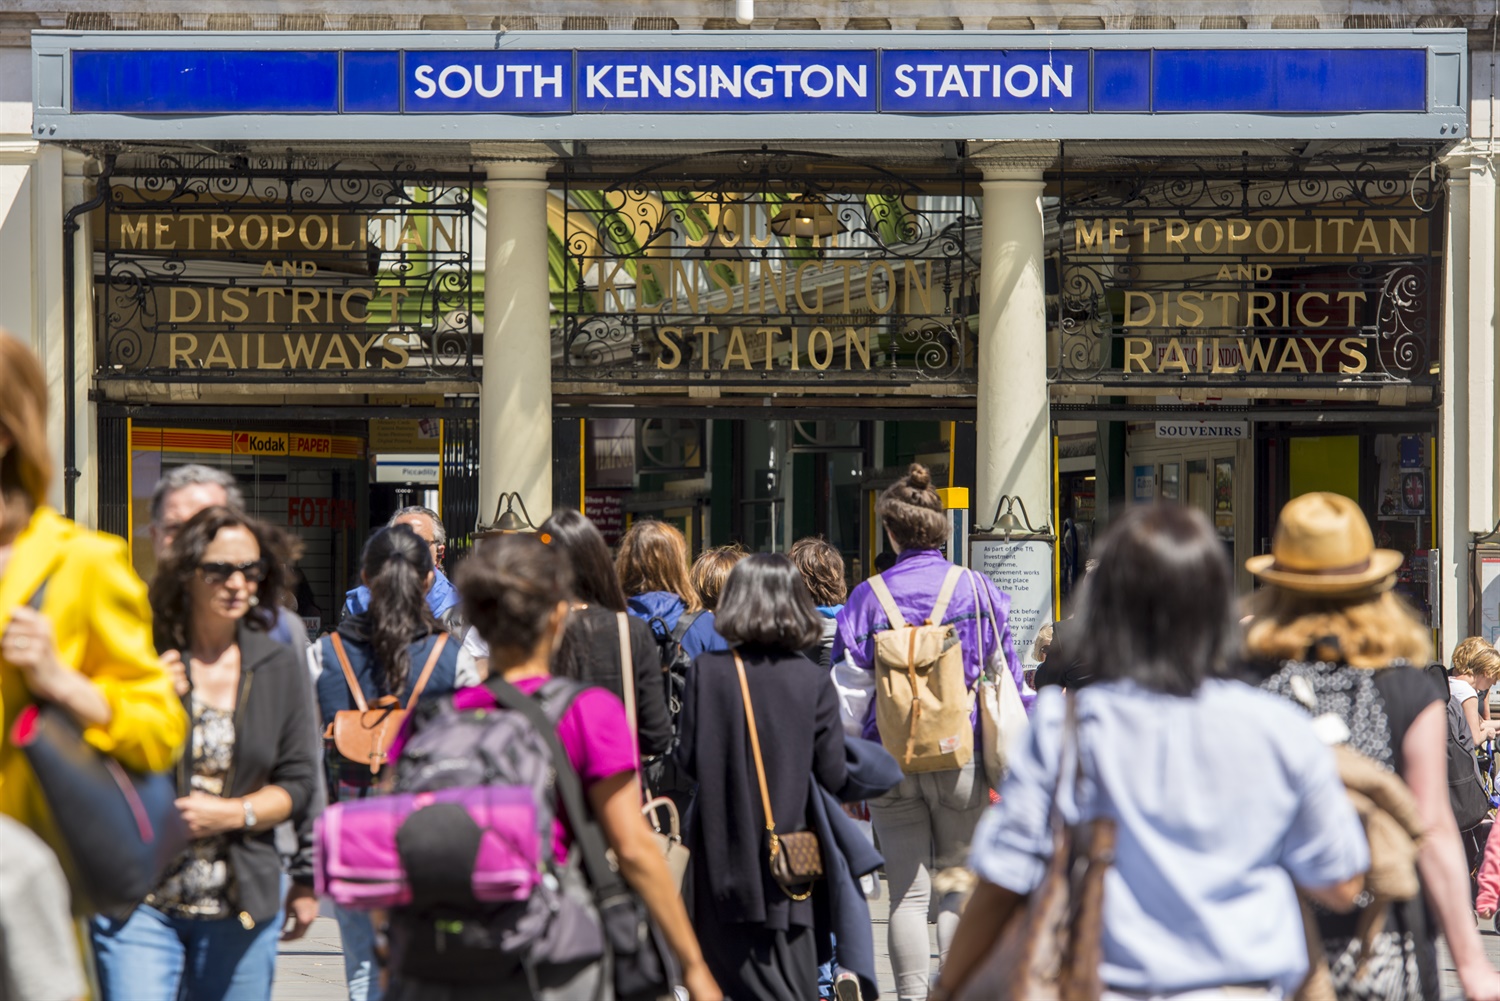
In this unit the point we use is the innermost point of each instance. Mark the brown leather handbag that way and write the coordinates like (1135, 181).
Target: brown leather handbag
(364, 734)
(1051, 948)
(796, 858)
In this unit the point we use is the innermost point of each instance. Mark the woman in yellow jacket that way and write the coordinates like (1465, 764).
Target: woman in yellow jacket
(89, 647)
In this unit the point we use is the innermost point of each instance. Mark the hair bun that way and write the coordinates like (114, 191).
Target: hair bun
(918, 477)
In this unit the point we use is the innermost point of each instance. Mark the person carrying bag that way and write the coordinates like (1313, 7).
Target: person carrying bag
(760, 728)
(670, 840)
(1208, 805)
(923, 642)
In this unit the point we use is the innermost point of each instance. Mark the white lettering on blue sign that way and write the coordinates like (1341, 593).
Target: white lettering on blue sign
(946, 81)
(630, 81)
(504, 83)
(456, 81)
(984, 80)
(654, 81)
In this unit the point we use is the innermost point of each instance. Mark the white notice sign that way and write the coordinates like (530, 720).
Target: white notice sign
(1022, 569)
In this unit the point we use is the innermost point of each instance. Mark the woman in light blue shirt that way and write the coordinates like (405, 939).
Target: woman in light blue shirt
(1224, 800)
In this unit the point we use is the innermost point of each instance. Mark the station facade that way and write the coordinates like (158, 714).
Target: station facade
(738, 279)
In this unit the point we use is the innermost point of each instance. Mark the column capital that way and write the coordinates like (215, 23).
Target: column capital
(1013, 177)
(517, 170)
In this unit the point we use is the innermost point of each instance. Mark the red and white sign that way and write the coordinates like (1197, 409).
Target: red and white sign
(319, 512)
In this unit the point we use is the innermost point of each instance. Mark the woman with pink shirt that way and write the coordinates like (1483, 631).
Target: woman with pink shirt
(518, 592)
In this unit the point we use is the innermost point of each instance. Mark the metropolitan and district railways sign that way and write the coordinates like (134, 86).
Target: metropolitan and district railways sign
(1250, 274)
(264, 270)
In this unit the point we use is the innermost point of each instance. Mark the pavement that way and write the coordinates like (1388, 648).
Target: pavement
(312, 969)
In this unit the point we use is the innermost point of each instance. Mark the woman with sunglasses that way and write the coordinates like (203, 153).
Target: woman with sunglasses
(209, 930)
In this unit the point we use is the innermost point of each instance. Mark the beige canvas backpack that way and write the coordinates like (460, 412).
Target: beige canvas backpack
(921, 698)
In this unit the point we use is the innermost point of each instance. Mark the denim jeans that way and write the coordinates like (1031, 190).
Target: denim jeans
(361, 972)
(925, 825)
(153, 957)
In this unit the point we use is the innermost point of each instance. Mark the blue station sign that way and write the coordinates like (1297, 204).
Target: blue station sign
(705, 85)
(757, 81)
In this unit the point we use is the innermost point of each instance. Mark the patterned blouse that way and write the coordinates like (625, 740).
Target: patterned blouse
(199, 883)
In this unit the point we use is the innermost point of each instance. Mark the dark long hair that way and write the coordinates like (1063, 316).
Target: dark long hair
(395, 563)
(766, 604)
(594, 580)
(1159, 607)
(171, 594)
(510, 586)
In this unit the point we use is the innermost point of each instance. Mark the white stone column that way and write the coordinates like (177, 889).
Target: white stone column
(79, 187)
(1464, 495)
(515, 399)
(1479, 370)
(1012, 424)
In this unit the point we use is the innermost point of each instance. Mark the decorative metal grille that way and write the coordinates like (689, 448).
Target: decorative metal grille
(275, 269)
(763, 267)
(113, 453)
(1248, 273)
(460, 484)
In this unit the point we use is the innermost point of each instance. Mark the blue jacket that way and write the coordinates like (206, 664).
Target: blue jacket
(840, 913)
(442, 597)
(662, 609)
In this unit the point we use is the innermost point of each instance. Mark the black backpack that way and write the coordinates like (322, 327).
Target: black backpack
(1465, 790)
(661, 773)
(674, 659)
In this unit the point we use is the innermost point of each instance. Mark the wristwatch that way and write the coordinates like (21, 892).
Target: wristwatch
(249, 813)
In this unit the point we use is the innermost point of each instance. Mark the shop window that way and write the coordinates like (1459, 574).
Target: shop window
(1330, 464)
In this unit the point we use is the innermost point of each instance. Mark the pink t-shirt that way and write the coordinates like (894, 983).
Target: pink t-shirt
(592, 732)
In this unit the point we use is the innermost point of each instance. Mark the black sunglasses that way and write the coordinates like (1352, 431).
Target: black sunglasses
(218, 573)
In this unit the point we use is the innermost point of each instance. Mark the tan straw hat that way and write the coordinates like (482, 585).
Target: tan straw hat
(1323, 545)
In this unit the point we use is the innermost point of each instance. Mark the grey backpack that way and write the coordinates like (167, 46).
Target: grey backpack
(445, 936)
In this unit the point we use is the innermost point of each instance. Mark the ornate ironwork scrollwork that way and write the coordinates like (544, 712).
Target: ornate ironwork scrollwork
(764, 266)
(1249, 272)
(281, 269)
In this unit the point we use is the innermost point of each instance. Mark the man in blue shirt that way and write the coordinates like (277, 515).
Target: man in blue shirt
(442, 597)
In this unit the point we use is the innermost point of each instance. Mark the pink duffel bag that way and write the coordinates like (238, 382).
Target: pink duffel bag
(486, 836)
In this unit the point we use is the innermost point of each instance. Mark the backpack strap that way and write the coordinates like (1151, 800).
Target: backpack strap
(343, 658)
(554, 698)
(627, 678)
(684, 623)
(432, 659)
(888, 603)
(945, 595)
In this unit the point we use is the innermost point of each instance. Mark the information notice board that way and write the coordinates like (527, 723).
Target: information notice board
(1485, 616)
(1023, 569)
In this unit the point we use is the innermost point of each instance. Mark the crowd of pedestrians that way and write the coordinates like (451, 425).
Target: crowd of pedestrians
(567, 773)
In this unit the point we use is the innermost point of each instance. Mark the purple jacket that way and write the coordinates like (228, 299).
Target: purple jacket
(914, 582)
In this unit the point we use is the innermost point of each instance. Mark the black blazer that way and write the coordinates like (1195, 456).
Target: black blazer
(276, 742)
(797, 717)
